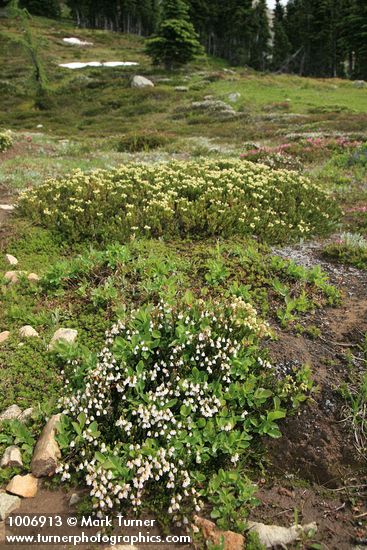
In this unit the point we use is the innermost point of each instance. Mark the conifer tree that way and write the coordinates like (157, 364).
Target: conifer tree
(177, 42)
(260, 40)
(281, 44)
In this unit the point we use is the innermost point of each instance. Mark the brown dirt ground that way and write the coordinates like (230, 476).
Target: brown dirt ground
(316, 469)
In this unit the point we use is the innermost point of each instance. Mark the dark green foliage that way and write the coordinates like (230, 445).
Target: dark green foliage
(28, 374)
(177, 41)
(31, 45)
(281, 44)
(327, 37)
(46, 8)
(134, 143)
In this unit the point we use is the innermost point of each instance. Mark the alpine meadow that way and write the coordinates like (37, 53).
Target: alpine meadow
(183, 274)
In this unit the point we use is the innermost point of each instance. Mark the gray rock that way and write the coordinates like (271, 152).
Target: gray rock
(13, 276)
(7, 207)
(141, 82)
(273, 536)
(181, 89)
(67, 334)
(11, 458)
(28, 332)
(26, 415)
(8, 503)
(33, 277)
(4, 336)
(11, 259)
(359, 84)
(214, 107)
(11, 413)
(74, 499)
(46, 453)
(234, 97)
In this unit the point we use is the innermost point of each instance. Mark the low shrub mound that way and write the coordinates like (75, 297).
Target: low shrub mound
(182, 199)
(178, 394)
(6, 141)
(350, 248)
(136, 143)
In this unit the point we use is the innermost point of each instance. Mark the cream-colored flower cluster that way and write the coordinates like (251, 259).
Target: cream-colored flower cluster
(206, 198)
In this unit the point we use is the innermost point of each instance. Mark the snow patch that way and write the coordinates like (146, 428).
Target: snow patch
(79, 65)
(76, 42)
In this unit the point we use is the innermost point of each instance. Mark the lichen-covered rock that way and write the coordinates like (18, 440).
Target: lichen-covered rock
(67, 334)
(23, 486)
(11, 458)
(74, 499)
(273, 536)
(8, 503)
(33, 278)
(359, 84)
(11, 413)
(26, 415)
(11, 259)
(141, 82)
(214, 107)
(4, 336)
(28, 332)
(13, 276)
(46, 453)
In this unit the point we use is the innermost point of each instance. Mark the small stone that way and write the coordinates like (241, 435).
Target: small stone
(11, 259)
(26, 415)
(11, 413)
(141, 82)
(7, 207)
(274, 535)
(47, 452)
(67, 334)
(28, 332)
(33, 277)
(11, 457)
(234, 97)
(181, 89)
(13, 276)
(23, 486)
(8, 503)
(229, 539)
(74, 499)
(4, 336)
(359, 84)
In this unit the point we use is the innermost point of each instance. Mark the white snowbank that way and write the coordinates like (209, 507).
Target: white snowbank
(76, 42)
(79, 65)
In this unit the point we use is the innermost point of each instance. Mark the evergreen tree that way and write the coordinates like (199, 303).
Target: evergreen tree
(46, 8)
(177, 41)
(260, 40)
(281, 44)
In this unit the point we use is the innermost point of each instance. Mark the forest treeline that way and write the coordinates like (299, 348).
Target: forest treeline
(323, 38)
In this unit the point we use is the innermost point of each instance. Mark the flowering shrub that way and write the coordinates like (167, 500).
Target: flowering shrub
(292, 155)
(177, 393)
(6, 141)
(350, 248)
(180, 199)
(274, 157)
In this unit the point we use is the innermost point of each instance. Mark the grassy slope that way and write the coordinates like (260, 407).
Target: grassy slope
(99, 101)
